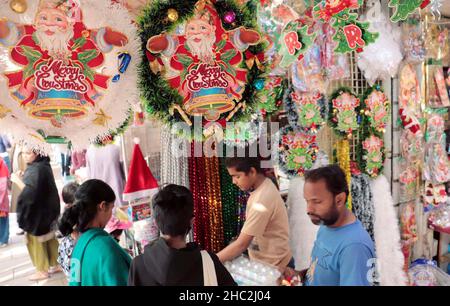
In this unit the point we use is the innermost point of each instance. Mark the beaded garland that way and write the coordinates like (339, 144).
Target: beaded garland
(204, 180)
(174, 168)
(230, 204)
(214, 203)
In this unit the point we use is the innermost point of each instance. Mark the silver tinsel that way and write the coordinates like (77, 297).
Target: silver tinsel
(362, 202)
(174, 159)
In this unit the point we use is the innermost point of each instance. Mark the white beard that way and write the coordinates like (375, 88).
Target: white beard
(203, 49)
(56, 44)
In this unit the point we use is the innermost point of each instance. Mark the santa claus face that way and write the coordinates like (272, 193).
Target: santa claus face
(200, 38)
(53, 30)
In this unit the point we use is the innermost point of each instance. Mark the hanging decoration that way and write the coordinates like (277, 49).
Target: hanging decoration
(413, 39)
(307, 111)
(350, 33)
(229, 204)
(66, 88)
(434, 196)
(271, 96)
(387, 235)
(370, 151)
(403, 8)
(381, 60)
(373, 156)
(362, 201)
(296, 38)
(409, 100)
(241, 134)
(201, 75)
(343, 160)
(273, 17)
(437, 166)
(308, 74)
(297, 151)
(344, 112)
(212, 172)
(174, 159)
(18, 6)
(376, 108)
(204, 183)
(408, 230)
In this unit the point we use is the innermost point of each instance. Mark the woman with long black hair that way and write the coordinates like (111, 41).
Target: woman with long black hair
(39, 209)
(97, 259)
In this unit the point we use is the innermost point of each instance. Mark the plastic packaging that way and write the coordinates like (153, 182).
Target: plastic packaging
(426, 273)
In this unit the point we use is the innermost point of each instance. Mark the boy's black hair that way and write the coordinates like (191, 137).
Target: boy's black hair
(173, 209)
(334, 177)
(244, 164)
(68, 192)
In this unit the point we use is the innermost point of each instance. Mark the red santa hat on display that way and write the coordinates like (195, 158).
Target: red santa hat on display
(141, 182)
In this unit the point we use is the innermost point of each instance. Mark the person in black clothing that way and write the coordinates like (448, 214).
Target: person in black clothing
(169, 260)
(39, 208)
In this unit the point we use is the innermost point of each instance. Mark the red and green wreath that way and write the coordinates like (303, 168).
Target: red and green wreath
(203, 61)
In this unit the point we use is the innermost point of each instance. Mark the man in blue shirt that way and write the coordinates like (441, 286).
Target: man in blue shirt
(343, 252)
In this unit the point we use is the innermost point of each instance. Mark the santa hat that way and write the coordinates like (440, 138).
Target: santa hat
(141, 182)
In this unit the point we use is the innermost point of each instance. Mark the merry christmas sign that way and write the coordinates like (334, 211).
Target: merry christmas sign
(202, 52)
(64, 70)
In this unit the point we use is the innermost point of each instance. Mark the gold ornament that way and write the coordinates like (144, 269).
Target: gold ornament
(3, 111)
(101, 118)
(172, 15)
(18, 6)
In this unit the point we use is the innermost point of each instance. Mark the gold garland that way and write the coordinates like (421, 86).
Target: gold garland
(343, 158)
(215, 202)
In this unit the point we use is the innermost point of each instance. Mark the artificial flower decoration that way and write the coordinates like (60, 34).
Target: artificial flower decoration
(374, 155)
(376, 109)
(296, 151)
(344, 112)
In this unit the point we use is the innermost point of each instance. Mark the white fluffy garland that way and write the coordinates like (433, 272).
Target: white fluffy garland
(302, 231)
(381, 59)
(390, 259)
(117, 98)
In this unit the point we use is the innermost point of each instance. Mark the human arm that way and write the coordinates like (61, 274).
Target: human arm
(236, 248)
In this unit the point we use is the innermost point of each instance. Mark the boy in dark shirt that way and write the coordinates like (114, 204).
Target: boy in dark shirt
(169, 260)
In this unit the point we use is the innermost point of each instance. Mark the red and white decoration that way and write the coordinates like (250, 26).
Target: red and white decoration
(141, 182)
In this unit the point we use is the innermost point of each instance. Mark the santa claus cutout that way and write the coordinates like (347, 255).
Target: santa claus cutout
(203, 63)
(60, 59)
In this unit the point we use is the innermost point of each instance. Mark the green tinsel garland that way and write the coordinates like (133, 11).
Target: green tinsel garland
(156, 93)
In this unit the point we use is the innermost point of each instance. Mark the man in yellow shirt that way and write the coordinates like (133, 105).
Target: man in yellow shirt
(266, 230)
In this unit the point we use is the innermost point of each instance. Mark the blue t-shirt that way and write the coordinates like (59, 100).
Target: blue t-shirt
(341, 256)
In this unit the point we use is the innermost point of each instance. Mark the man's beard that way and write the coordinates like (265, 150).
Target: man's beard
(329, 219)
(204, 49)
(56, 44)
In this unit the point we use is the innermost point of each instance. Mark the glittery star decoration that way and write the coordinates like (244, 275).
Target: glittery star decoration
(101, 118)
